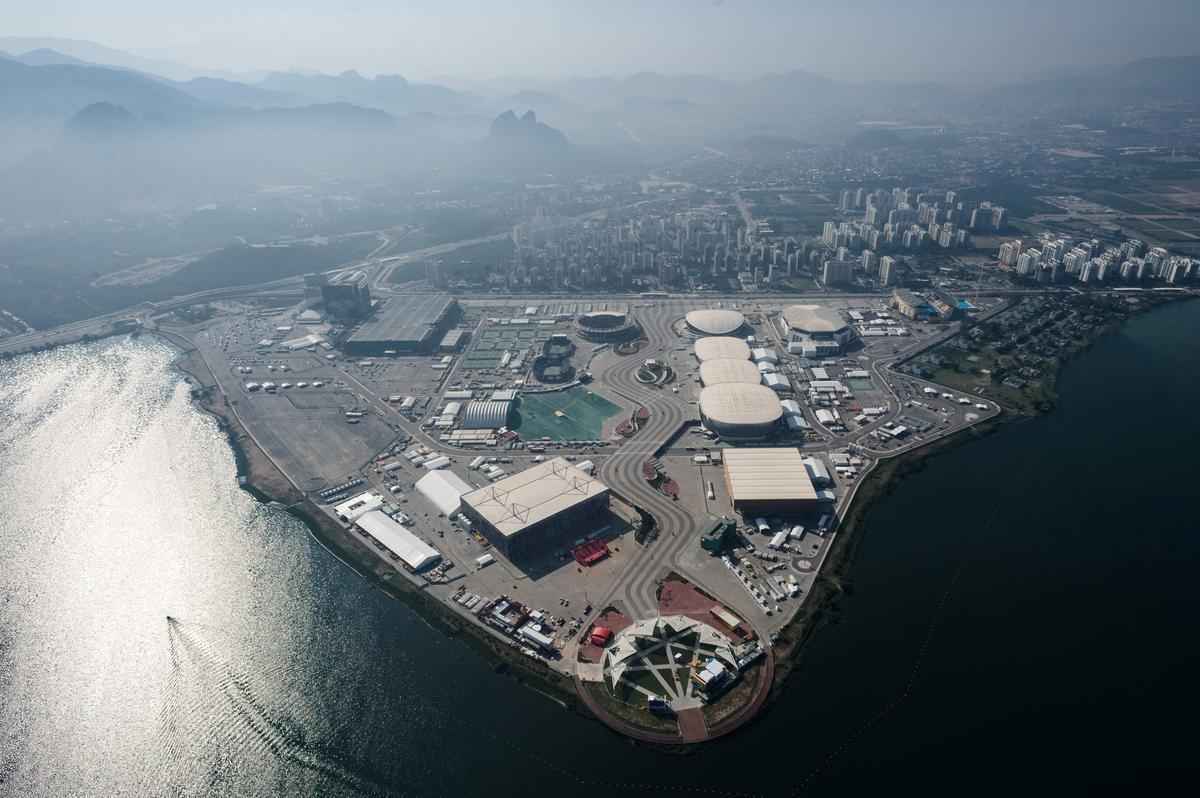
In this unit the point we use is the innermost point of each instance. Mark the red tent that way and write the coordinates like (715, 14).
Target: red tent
(591, 552)
(601, 635)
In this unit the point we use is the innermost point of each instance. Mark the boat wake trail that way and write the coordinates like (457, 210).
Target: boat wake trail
(212, 710)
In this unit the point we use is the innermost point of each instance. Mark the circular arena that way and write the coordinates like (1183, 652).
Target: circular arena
(607, 325)
(715, 321)
(552, 370)
(729, 370)
(737, 411)
(721, 348)
(558, 347)
(816, 330)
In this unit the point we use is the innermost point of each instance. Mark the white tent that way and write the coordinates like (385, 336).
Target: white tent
(444, 489)
(415, 553)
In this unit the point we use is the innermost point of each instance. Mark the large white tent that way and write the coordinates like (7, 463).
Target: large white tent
(444, 489)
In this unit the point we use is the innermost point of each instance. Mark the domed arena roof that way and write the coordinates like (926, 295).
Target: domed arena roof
(813, 318)
(738, 405)
(715, 321)
(721, 347)
(726, 370)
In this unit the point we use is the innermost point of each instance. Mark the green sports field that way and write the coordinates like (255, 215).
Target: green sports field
(582, 415)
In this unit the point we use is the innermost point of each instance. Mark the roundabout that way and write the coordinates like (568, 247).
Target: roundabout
(654, 372)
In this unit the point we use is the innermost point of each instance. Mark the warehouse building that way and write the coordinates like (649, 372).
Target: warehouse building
(727, 370)
(542, 507)
(816, 331)
(408, 324)
(721, 348)
(769, 482)
(399, 540)
(489, 414)
(715, 322)
(737, 411)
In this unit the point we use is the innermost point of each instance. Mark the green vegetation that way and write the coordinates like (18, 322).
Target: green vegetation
(1118, 202)
(573, 414)
(632, 710)
(790, 212)
(245, 265)
(1025, 400)
(470, 263)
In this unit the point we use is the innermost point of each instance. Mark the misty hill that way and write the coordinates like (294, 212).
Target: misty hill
(342, 116)
(526, 134)
(389, 92)
(217, 91)
(102, 118)
(60, 90)
(45, 57)
(1147, 79)
(85, 52)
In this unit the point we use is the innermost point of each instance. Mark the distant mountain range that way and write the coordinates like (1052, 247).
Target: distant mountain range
(78, 52)
(48, 81)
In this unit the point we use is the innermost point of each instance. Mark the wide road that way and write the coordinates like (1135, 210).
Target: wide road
(636, 587)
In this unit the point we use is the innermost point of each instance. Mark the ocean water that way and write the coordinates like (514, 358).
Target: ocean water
(1021, 616)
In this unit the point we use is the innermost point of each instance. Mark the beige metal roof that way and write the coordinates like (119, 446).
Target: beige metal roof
(767, 475)
(813, 318)
(725, 370)
(715, 321)
(535, 494)
(735, 403)
(721, 347)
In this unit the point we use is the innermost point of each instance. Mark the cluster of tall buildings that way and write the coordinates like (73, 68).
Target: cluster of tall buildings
(623, 252)
(910, 219)
(1053, 258)
(684, 248)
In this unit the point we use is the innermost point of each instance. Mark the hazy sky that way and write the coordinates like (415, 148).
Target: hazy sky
(854, 39)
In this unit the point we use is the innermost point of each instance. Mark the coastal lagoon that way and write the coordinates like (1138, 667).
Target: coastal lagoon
(1019, 616)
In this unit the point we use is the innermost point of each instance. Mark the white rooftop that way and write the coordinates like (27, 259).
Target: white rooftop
(399, 540)
(532, 496)
(356, 506)
(813, 318)
(444, 489)
(767, 475)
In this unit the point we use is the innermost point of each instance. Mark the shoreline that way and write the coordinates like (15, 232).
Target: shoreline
(259, 477)
(887, 476)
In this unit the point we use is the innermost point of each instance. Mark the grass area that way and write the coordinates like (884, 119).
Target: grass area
(1023, 400)
(735, 697)
(471, 263)
(658, 657)
(573, 414)
(790, 211)
(644, 679)
(1118, 202)
(633, 714)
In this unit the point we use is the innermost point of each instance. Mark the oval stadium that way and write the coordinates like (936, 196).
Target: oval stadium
(721, 348)
(740, 412)
(607, 325)
(816, 330)
(729, 370)
(715, 321)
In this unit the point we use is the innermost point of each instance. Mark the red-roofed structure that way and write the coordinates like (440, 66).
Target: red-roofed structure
(591, 552)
